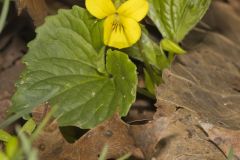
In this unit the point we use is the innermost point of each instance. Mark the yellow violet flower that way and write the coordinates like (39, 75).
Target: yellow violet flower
(121, 28)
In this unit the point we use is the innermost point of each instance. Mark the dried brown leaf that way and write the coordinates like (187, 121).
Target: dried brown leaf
(113, 133)
(175, 137)
(206, 82)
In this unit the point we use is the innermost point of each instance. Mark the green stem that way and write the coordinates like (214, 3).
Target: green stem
(171, 57)
(170, 54)
(147, 64)
(4, 14)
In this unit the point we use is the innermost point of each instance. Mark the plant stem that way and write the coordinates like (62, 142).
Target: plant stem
(171, 57)
(4, 14)
(170, 54)
(147, 64)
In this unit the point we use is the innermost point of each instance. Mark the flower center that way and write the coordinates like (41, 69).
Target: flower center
(117, 25)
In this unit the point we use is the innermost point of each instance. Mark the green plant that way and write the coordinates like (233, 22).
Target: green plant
(69, 66)
(19, 147)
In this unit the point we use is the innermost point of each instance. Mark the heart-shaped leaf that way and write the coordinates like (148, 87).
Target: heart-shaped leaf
(66, 67)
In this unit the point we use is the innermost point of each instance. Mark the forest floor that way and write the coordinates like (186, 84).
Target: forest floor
(197, 110)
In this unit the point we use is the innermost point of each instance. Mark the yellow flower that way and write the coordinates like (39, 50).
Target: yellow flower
(121, 28)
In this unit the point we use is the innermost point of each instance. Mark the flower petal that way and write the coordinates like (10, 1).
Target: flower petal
(100, 8)
(124, 36)
(132, 29)
(113, 38)
(136, 9)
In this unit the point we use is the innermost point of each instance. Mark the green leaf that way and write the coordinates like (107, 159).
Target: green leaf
(175, 18)
(3, 156)
(65, 67)
(171, 46)
(151, 49)
(124, 75)
(4, 136)
(29, 126)
(12, 147)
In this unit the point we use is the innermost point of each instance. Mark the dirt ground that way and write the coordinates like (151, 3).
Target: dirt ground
(197, 112)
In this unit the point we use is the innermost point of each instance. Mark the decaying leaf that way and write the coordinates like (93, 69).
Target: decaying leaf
(206, 81)
(176, 136)
(113, 133)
